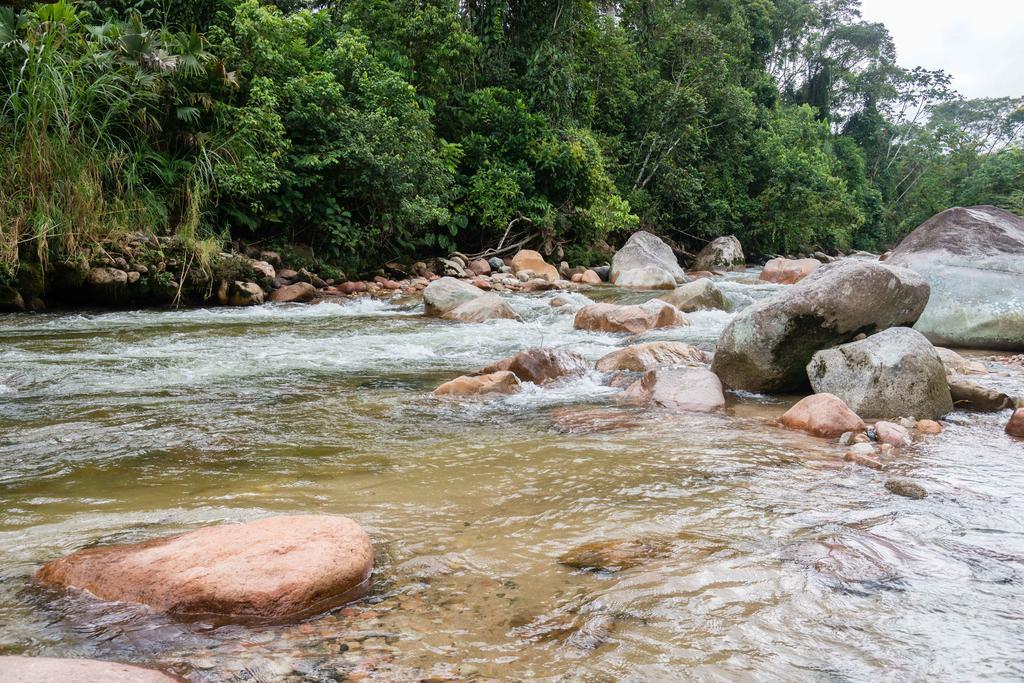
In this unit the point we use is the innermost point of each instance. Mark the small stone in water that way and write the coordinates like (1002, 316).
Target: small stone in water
(907, 489)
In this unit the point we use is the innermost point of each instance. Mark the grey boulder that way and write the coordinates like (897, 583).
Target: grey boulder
(894, 373)
(768, 345)
(723, 253)
(645, 253)
(973, 258)
(698, 295)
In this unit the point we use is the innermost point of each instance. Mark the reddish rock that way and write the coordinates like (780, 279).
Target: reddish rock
(532, 261)
(576, 277)
(616, 555)
(263, 268)
(541, 365)
(299, 292)
(287, 274)
(391, 285)
(823, 415)
(57, 670)
(494, 383)
(272, 570)
(480, 266)
(482, 309)
(928, 427)
(652, 315)
(644, 357)
(589, 277)
(892, 434)
(698, 274)
(539, 285)
(483, 284)
(245, 294)
(1015, 427)
(784, 271)
(576, 420)
(678, 389)
(863, 460)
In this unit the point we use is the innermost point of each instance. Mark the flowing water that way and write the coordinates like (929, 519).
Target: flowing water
(780, 562)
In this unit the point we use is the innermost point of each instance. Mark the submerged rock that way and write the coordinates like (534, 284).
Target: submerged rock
(59, 670)
(447, 293)
(906, 488)
(678, 389)
(481, 309)
(843, 562)
(529, 261)
(644, 357)
(894, 372)
(541, 365)
(971, 396)
(973, 258)
(647, 254)
(503, 382)
(823, 415)
(767, 346)
(635, 319)
(722, 253)
(698, 295)
(273, 570)
(783, 271)
(575, 420)
(616, 555)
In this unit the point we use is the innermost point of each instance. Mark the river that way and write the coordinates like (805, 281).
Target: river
(121, 426)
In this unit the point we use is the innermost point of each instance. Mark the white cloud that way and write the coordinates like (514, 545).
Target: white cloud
(980, 43)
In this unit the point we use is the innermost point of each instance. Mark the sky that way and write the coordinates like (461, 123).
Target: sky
(980, 43)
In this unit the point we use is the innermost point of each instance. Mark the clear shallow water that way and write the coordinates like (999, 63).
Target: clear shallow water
(122, 426)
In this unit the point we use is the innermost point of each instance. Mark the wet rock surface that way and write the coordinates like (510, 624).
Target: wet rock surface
(678, 389)
(652, 355)
(698, 295)
(272, 570)
(767, 346)
(632, 319)
(973, 259)
(894, 372)
(57, 670)
(823, 415)
(541, 365)
(646, 261)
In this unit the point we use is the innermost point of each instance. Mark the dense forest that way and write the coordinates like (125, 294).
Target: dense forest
(369, 130)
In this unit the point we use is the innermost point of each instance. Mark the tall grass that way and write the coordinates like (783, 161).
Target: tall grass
(80, 123)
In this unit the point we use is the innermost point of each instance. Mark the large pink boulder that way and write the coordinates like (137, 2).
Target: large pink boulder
(272, 570)
(654, 314)
(57, 670)
(784, 271)
(823, 415)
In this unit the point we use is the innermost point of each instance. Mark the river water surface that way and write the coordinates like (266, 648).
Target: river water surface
(783, 561)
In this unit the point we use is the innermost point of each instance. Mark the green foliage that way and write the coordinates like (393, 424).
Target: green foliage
(371, 130)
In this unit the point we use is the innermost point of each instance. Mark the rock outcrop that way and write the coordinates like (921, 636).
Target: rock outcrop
(651, 356)
(702, 294)
(823, 415)
(894, 373)
(272, 570)
(632, 319)
(972, 396)
(722, 253)
(784, 271)
(447, 293)
(767, 346)
(973, 258)
(541, 365)
(647, 254)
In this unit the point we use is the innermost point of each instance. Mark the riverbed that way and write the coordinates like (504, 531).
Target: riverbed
(121, 426)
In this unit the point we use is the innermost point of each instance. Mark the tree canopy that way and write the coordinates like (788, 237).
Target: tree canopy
(371, 130)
